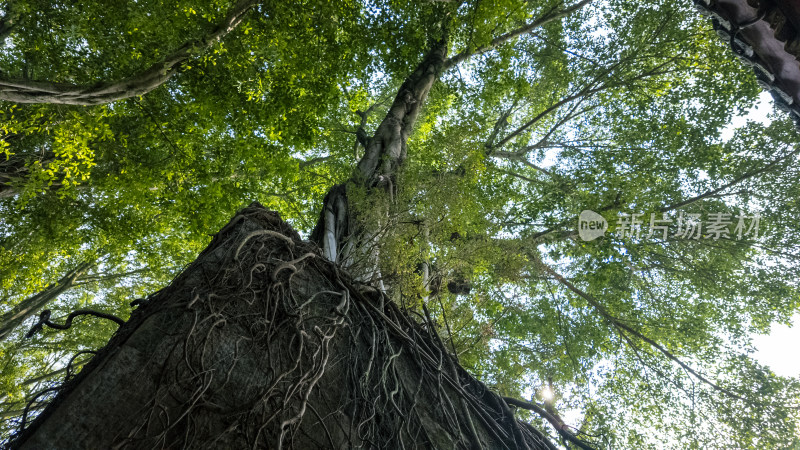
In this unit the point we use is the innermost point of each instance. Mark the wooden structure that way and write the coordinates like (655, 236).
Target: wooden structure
(765, 34)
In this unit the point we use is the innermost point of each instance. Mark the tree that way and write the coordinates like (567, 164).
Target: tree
(242, 362)
(435, 151)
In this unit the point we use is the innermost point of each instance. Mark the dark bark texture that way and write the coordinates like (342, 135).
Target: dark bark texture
(263, 343)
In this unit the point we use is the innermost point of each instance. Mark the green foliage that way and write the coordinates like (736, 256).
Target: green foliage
(617, 108)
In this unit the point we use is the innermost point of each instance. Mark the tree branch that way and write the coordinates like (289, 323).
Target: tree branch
(555, 421)
(29, 91)
(304, 164)
(362, 138)
(386, 151)
(514, 174)
(521, 157)
(44, 319)
(581, 94)
(499, 126)
(598, 83)
(621, 326)
(550, 16)
(707, 194)
(734, 182)
(100, 277)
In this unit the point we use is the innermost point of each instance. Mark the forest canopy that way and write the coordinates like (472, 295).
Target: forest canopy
(131, 132)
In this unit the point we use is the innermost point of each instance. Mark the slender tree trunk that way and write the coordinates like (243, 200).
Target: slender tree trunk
(347, 239)
(6, 190)
(31, 305)
(262, 343)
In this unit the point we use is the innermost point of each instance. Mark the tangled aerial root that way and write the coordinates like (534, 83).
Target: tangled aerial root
(261, 343)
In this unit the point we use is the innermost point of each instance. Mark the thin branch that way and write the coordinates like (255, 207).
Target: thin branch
(571, 114)
(621, 326)
(521, 157)
(708, 194)
(10, 414)
(550, 16)
(29, 306)
(99, 277)
(586, 91)
(545, 140)
(66, 368)
(734, 182)
(499, 126)
(598, 83)
(564, 222)
(304, 164)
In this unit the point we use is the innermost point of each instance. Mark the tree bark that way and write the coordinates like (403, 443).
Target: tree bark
(263, 343)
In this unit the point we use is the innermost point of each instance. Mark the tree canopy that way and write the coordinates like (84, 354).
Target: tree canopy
(132, 131)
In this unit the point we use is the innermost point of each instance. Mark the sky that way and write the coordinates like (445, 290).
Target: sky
(778, 349)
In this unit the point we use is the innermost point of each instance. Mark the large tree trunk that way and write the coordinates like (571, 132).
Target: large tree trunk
(263, 343)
